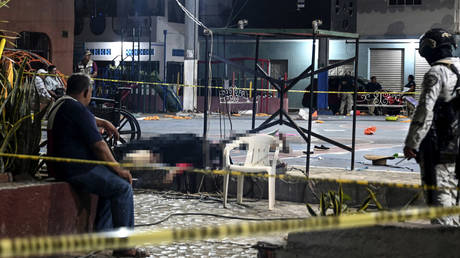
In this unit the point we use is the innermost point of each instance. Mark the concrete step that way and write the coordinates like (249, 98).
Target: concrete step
(301, 191)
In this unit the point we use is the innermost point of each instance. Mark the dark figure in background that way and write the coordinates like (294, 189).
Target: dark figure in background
(73, 133)
(410, 86)
(44, 95)
(432, 138)
(53, 83)
(306, 96)
(372, 86)
(410, 98)
(89, 67)
(346, 97)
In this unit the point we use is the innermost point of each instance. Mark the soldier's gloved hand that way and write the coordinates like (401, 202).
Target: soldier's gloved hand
(410, 153)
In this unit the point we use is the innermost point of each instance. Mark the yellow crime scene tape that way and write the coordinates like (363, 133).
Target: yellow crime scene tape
(221, 87)
(222, 172)
(123, 238)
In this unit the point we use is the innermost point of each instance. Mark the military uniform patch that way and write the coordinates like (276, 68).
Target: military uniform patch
(430, 80)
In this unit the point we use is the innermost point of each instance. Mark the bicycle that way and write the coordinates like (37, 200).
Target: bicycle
(112, 110)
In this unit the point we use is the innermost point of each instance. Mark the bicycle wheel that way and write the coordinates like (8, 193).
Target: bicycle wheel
(128, 128)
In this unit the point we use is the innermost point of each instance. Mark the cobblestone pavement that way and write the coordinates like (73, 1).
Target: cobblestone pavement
(152, 206)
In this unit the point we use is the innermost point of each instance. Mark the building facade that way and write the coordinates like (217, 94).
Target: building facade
(114, 30)
(131, 33)
(45, 27)
(389, 32)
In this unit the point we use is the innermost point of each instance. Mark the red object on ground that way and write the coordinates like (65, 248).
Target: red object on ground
(370, 130)
(183, 165)
(358, 112)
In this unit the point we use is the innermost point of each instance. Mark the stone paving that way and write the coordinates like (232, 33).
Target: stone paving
(152, 206)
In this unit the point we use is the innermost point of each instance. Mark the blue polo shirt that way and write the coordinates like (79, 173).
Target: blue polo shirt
(73, 133)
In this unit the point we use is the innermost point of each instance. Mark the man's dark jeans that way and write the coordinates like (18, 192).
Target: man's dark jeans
(115, 207)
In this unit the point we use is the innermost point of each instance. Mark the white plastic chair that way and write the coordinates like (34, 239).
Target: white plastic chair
(257, 160)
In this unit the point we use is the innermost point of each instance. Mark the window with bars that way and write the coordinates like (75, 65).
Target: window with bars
(404, 2)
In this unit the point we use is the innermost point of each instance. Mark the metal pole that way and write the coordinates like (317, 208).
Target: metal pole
(150, 65)
(254, 92)
(165, 32)
(355, 97)
(205, 112)
(132, 55)
(225, 56)
(310, 106)
(141, 87)
(121, 56)
(139, 52)
(282, 92)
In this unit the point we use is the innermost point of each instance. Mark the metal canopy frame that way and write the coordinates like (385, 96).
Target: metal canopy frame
(258, 72)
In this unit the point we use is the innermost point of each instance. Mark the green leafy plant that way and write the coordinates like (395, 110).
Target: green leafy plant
(334, 203)
(371, 198)
(20, 121)
(9, 36)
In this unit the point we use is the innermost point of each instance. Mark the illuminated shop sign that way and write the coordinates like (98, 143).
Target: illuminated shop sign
(100, 52)
(142, 52)
(112, 51)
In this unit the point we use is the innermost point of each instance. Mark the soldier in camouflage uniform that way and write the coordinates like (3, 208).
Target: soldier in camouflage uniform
(432, 138)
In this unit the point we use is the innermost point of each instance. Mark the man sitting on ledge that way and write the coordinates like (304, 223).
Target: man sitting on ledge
(73, 133)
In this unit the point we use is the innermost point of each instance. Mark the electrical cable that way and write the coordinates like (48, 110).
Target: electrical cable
(89, 255)
(237, 13)
(213, 215)
(230, 16)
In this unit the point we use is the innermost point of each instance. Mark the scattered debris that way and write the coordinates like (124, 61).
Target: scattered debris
(262, 114)
(177, 117)
(357, 112)
(322, 147)
(370, 130)
(319, 122)
(378, 160)
(237, 115)
(315, 115)
(181, 117)
(304, 114)
(399, 155)
(150, 118)
(406, 121)
(390, 166)
(392, 118)
(245, 112)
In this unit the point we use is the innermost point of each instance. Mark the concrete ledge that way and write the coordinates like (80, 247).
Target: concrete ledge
(398, 240)
(299, 191)
(32, 209)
